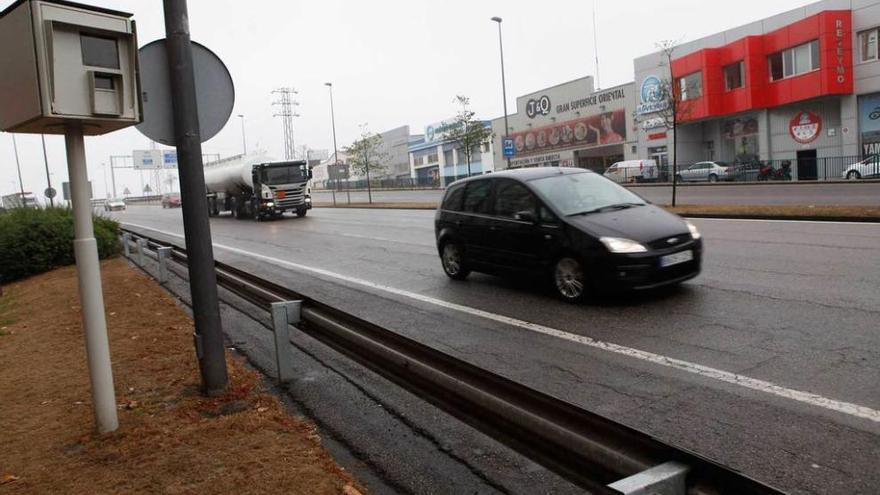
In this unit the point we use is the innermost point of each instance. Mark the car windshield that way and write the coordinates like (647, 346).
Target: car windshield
(286, 174)
(574, 194)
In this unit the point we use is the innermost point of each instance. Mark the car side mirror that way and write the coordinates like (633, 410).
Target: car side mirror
(525, 216)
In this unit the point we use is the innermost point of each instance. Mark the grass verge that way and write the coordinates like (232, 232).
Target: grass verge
(171, 439)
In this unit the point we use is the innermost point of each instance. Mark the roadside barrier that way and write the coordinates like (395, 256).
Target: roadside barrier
(593, 452)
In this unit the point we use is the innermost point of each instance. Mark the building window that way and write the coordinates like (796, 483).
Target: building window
(417, 160)
(794, 61)
(733, 76)
(432, 158)
(691, 86)
(868, 43)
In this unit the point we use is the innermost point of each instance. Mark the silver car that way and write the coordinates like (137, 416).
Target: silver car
(706, 171)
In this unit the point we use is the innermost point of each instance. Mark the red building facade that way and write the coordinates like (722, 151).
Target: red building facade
(767, 62)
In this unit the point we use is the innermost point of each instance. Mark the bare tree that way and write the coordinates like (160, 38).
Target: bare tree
(675, 98)
(467, 133)
(366, 154)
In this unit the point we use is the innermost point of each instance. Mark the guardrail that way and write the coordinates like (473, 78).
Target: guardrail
(589, 450)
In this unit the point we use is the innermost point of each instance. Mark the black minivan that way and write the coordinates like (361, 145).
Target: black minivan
(583, 231)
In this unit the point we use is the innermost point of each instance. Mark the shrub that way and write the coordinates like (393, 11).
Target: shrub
(37, 240)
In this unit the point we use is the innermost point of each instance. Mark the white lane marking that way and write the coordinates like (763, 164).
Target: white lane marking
(659, 359)
(764, 220)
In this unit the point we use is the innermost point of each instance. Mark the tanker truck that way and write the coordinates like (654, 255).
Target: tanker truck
(258, 187)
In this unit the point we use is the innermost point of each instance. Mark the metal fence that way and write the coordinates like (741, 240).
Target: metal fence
(798, 169)
(403, 183)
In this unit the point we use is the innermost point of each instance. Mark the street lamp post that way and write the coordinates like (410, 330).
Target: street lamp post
(18, 166)
(503, 84)
(243, 140)
(335, 152)
(46, 161)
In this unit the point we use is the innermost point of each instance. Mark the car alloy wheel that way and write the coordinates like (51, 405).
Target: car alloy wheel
(713, 178)
(453, 262)
(853, 175)
(568, 277)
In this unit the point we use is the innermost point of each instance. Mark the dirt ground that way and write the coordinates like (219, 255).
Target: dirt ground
(171, 439)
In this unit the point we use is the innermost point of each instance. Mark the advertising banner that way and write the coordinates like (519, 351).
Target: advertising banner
(588, 132)
(869, 124)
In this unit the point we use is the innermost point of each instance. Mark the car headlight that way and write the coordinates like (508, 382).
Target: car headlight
(308, 199)
(619, 245)
(695, 234)
(270, 204)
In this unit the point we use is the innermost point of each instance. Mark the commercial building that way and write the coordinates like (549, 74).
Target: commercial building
(802, 86)
(433, 158)
(570, 125)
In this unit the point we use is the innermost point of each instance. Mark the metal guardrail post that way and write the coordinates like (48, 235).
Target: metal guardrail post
(284, 314)
(141, 245)
(126, 244)
(163, 253)
(666, 479)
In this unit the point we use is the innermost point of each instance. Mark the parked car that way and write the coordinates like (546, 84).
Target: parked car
(114, 204)
(706, 171)
(747, 171)
(171, 200)
(577, 228)
(632, 171)
(865, 169)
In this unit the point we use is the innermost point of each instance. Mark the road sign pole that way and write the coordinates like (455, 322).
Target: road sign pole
(203, 280)
(85, 250)
(48, 177)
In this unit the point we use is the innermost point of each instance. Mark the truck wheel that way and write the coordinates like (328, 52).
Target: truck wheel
(301, 212)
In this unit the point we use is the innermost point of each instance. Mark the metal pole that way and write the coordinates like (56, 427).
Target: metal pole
(367, 167)
(18, 165)
(203, 279)
(85, 250)
(113, 177)
(503, 84)
(46, 162)
(243, 140)
(335, 151)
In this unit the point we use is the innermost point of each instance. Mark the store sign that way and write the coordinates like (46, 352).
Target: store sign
(653, 123)
(839, 51)
(805, 127)
(541, 106)
(592, 100)
(588, 132)
(508, 147)
(535, 160)
(652, 96)
(437, 131)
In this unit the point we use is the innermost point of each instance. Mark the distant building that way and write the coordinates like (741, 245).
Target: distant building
(433, 158)
(570, 125)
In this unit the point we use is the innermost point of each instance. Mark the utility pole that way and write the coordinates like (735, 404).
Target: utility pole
(287, 114)
(18, 166)
(243, 140)
(48, 178)
(203, 280)
(503, 84)
(335, 151)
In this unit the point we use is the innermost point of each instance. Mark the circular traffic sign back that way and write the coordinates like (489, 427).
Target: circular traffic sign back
(215, 93)
(50, 192)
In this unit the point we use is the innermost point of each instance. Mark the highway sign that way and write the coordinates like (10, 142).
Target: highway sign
(509, 148)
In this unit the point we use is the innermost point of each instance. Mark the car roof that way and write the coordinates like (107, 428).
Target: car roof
(527, 174)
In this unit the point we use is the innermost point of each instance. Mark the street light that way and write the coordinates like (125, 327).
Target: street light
(18, 166)
(335, 152)
(503, 85)
(243, 140)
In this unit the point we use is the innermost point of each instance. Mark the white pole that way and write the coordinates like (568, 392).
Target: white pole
(91, 296)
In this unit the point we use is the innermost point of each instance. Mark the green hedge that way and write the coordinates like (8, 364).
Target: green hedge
(37, 240)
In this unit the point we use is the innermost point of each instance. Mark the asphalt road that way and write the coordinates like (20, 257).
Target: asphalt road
(768, 362)
(851, 194)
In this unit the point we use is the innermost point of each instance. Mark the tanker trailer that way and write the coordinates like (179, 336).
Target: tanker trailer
(257, 187)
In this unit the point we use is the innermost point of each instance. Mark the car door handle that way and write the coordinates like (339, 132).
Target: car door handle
(492, 227)
(548, 237)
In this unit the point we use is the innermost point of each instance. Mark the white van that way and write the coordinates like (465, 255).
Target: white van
(632, 171)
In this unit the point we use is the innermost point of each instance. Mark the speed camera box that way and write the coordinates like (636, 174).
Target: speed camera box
(65, 61)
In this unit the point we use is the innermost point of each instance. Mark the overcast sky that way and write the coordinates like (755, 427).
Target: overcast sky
(392, 63)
